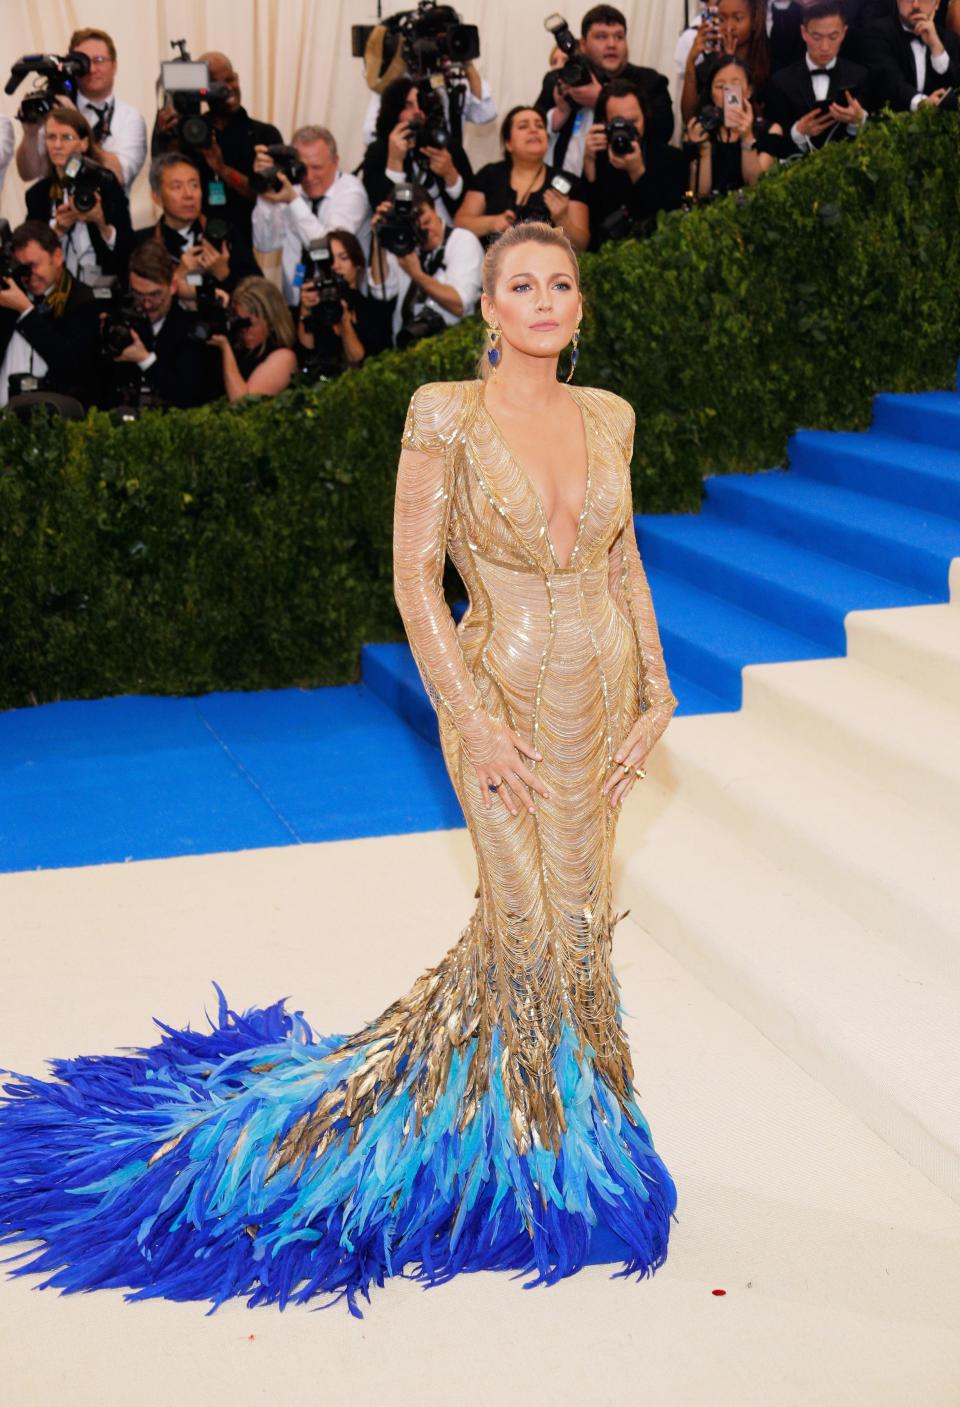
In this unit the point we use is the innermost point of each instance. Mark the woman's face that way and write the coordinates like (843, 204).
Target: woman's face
(726, 78)
(62, 143)
(536, 302)
(411, 107)
(343, 264)
(735, 22)
(528, 136)
(256, 334)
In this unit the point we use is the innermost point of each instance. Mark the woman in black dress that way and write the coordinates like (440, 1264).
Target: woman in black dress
(93, 241)
(365, 324)
(444, 171)
(503, 193)
(738, 151)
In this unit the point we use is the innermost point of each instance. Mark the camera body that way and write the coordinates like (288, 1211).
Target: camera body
(426, 323)
(430, 39)
(399, 231)
(62, 72)
(577, 70)
(621, 136)
(195, 99)
(331, 286)
(433, 130)
(84, 180)
(285, 161)
(10, 267)
(213, 318)
(710, 117)
(124, 318)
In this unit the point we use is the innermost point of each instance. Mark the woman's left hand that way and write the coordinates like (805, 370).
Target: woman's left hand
(220, 340)
(557, 204)
(630, 756)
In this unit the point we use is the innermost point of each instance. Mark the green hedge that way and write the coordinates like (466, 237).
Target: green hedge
(247, 547)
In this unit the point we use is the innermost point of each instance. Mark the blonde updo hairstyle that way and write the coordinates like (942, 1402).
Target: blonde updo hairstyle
(529, 232)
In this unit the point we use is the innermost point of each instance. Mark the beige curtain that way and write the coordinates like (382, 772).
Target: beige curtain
(293, 57)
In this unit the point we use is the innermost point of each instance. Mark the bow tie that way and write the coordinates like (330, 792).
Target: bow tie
(821, 72)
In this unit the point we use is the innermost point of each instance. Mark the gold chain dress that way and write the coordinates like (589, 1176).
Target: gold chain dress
(487, 1119)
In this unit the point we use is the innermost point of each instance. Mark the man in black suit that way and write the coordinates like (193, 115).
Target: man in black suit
(912, 56)
(49, 328)
(569, 111)
(821, 98)
(164, 357)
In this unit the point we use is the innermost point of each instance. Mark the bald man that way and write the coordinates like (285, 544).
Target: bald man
(227, 162)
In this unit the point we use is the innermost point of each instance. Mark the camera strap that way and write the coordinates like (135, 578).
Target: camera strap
(432, 261)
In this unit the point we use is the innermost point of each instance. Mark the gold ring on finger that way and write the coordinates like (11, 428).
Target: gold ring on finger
(640, 771)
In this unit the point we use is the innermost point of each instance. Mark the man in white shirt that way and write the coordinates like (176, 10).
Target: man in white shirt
(816, 99)
(293, 216)
(912, 57)
(443, 275)
(117, 126)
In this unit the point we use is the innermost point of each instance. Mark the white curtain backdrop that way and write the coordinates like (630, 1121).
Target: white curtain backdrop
(293, 57)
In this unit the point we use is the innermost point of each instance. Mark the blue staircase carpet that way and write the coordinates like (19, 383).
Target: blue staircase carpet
(766, 572)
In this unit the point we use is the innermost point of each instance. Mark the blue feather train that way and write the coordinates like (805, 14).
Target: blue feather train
(80, 1172)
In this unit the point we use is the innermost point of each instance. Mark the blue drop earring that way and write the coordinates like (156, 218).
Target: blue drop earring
(493, 351)
(575, 352)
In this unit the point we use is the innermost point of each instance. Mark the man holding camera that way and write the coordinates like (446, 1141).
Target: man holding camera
(202, 247)
(628, 180)
(602, 54)
(117, 127)
(819, 98)
(913, 57)
(163, 357)
(438, 282)
(49, 330)
(226, 163)
(289, 215)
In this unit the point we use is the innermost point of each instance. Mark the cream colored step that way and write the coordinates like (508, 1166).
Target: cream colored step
(918, 644)
(870, 1021)
(893, 867)
(872, 721)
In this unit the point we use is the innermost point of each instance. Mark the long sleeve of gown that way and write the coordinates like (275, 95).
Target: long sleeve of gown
(421, 516)
(629, 587)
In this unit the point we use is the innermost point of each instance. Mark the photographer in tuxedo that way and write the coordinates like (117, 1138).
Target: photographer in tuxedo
(913, 57)
(820, 98)
(118, 128)
(162, 355)
(636, 183)
(325, 199)
(569, 111)
(198, 244)
(49, 328)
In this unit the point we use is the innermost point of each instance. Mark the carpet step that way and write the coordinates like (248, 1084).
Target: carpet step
(869, 1020)
(709, 640)
(919, 645)
(900, 543)
(389, 672)
(932, 417)
(922, 476)
(796, 588)
(887, 863)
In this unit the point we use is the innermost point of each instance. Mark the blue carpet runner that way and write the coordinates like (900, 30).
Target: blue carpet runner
(766, 572)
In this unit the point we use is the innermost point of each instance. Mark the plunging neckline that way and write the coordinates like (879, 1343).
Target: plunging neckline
(532, 487)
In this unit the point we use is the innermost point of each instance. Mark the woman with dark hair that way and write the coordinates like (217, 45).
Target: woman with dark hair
(518, 188)
(94, 240)
(260, 361)
(329, 342)
(730, 147)
(393, 155)
(739, 32)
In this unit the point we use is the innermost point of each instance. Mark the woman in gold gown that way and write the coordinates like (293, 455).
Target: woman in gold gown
(487, 1119)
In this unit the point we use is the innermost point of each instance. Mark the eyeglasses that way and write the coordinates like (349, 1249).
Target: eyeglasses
(99, 59)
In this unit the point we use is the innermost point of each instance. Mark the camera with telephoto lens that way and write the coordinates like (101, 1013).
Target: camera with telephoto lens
(62, 72)
(621, 136)
(214, 318)
(577, 71)
(331, 286)
(286, 162)
(84, 180)
(429, 39)
(11, 269)
(399, 231)
(433, 130)
(195, 99)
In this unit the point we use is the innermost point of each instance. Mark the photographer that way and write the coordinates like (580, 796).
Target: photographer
(519, 187)
(258, 360)
(226, 164)
(568, 107)
(737, 29)
(403, 152)
(818, 99)
(48, 320)
(475, 101)
(117, 127)
(89, 213)
(197, 243)
(163, 359)
(325, 198)
(339, 326)
(912, 55)
(438, 282)
(628, 178)
(727, 143)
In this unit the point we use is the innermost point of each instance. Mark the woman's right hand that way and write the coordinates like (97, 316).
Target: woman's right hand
(696, 132)
(498, 223)
(398, 144)
(508, 773)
